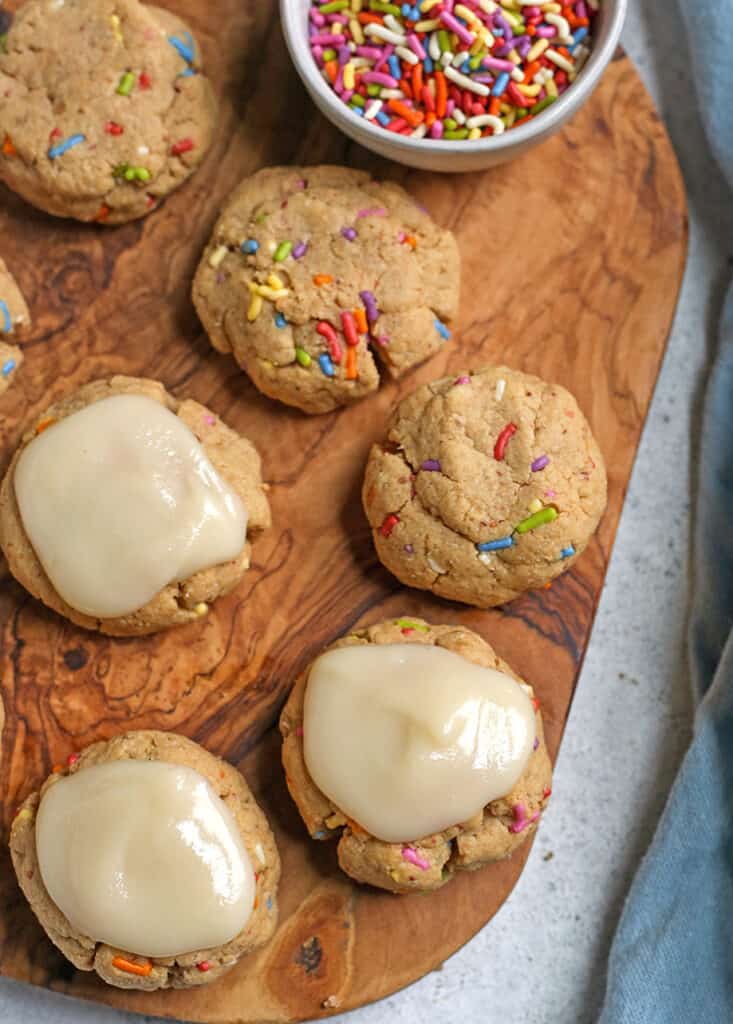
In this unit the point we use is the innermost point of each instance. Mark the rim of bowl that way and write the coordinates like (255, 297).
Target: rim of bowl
(295, 32)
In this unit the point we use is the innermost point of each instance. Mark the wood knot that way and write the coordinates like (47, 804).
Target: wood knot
(309, 955)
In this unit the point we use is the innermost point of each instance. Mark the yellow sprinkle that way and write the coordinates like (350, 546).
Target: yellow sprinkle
(429, 25)
(551, 87)
(356, 6)
(116, 28)
(275, 282)
(201, 608)
(348, 75)
(537, 50)
(255, 307)
(557, 58)
(530, 90)
(356, 33)
(272, 294)
(474, 133)
(22, 815)
(217, 256)
(535, 505)
(427, 5)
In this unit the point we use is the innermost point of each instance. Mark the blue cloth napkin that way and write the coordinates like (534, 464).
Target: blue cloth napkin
(672, 957)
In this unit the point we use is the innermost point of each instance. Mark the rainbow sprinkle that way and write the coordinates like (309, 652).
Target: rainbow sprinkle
(442, 69)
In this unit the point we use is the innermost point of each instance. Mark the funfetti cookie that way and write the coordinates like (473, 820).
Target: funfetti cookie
(418, 750)
(105, 109)
(315, 275)
(128, 511)
(487, 484)
(14, 320)
(147, 860)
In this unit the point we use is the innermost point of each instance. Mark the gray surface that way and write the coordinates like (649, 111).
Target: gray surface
(541, 960)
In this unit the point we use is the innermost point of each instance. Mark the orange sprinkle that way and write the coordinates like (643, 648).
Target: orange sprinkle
(332, 70)
(495, 106)
(406, 87)
(44, 425)
(413, 117)
(367, 19)
(361, 321)
(8, 147)
(531, 70)
(142, 970)
(523, 120)
(417, 81)
(57, 769)
(351, 372)
(321, 279)
(441, 93)
(430, 118)
(104, 212)
(531, 30)
(411, 241)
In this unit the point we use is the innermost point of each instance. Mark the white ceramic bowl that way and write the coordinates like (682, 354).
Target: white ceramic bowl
(435, 155)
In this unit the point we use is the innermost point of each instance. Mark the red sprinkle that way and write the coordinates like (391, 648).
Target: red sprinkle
(326, 331)
(112, 128)
(55, 134)
(144, 81)
(183, 146)
(503, 440)
(389, 524)
(72, 759)
(349, 325)
(546, 794)
(204, 966)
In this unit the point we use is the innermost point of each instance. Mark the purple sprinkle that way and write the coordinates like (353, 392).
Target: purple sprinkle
(370, 305)
(409, 549)
(431, 466)
(536, 742)
(299, 250)
(383, 340)
(349, 234)
(540, 463)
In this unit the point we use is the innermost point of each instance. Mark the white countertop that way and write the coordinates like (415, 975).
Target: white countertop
(542, 959)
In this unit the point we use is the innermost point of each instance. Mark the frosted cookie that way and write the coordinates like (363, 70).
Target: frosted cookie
(419, 750)
(312, 271)
(128, 511)
(14, 319)
(487, 484)
(104, 108)
(148, 861)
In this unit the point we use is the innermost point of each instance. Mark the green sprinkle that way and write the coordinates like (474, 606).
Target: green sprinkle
(443, 41)
(333, 6)
(357, 100)
(381, 8)
(461, 133)
(126, 83)
(4, 43)
(302, 356)
(475, 62)
(329, 54)
(284, 249)
(543, 104)
(261, 218)
(450, 124)
(521, 112)
(409, 624)
(541, 518)
(129, 173)
(373, 90)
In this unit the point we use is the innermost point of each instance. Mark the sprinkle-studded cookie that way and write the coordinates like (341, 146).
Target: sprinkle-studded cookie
(104, 110)
(488, 484)
(14, 319)
(313, 271)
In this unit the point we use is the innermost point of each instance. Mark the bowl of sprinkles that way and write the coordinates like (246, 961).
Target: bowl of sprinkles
(451, 85)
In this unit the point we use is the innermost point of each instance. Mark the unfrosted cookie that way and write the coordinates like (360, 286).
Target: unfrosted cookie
(233, 457)
(427, 863)
(312, 271)
(104, 109)
(487, 484)
(14, 319)
(129, 968)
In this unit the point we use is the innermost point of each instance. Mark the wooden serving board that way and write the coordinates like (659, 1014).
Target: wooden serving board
(573, 258)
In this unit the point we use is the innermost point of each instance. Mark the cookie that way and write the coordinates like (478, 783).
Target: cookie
(14, 320)
(237, 467)
(426, 862)
(313, 271)
(133, 767)
(487, 484)
(105, 110)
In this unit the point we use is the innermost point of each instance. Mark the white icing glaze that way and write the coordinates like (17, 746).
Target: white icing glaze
(145, 856)
(410, 739)
(119, 500)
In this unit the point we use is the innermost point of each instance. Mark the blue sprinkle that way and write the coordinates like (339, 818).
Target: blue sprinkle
(269, 902)
(406, 10)
(8, 368)
(280, 320)
(326, 365)
(383, 118)
(185, 49)
(567, 552)
(356, 110)
(466, 66)
(442, 330)
(320, 835)
(63, 147)
(394, 67)
(501, 83)
(496, 545)
(187, 73)
(7, 324)
(416, 13)
(578, 38)
(428, 65)
(249, 246)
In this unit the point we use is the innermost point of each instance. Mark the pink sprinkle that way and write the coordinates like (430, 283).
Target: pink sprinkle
(521, 821)
(72, 759)
(550, 494)
(463, 380)
(211, 420)
(382, 340)
(380, 78)
(436, 130)
(375, 211)
(416, 46)
(414, 857)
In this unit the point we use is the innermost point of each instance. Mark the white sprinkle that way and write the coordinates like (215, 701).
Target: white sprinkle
(419, 133)
(217, 256)
(458, 116)
(488, 6)
(55, 5)
(391, 94)
(271, 247)
(373, 109)
(460, 57)
(557, 58)
(467, 83)
(500, 388)
(391, 22)
(260, 853)
(446, 59)
(407, 55)
(481, 120)
(435, 567)
(517, 75)
(380, 32)
(485, 557)
(562, 26)
(434, 47)
(143, 150)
